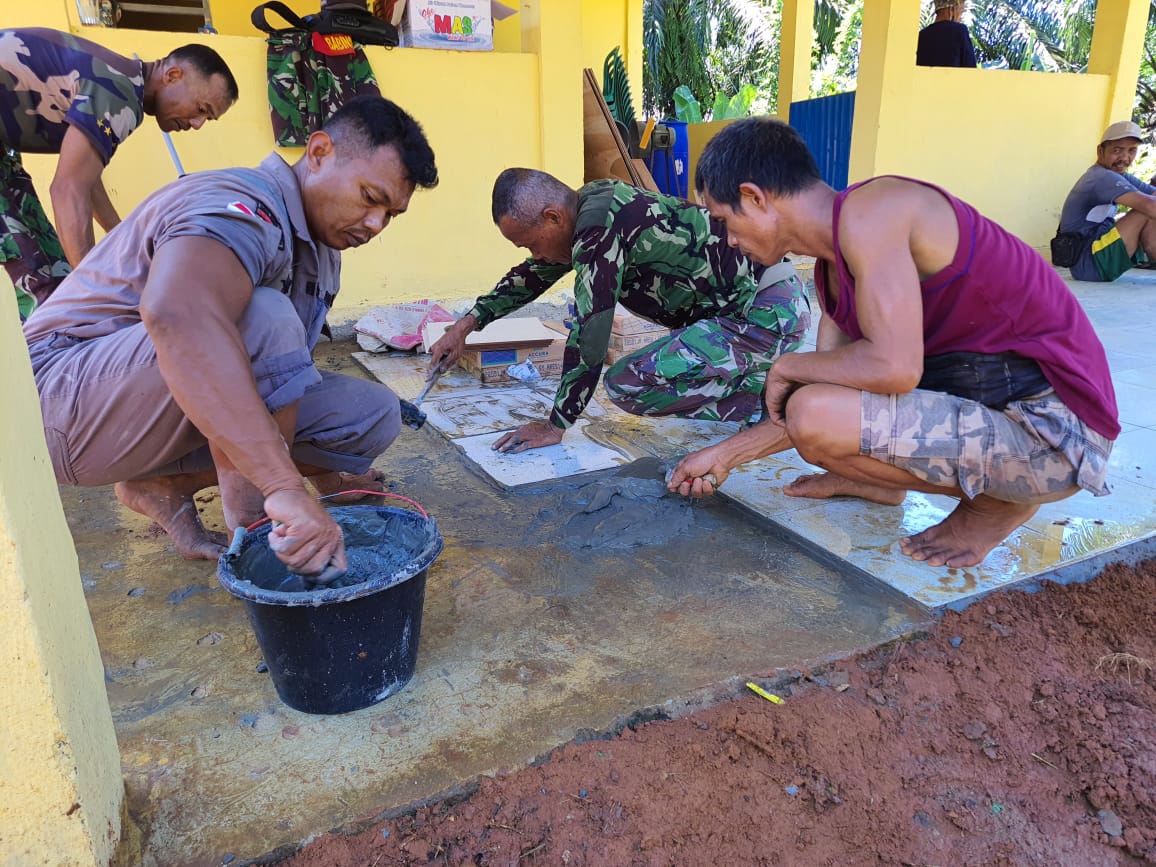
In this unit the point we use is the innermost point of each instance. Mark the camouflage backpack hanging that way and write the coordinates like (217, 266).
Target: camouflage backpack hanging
(316, 65)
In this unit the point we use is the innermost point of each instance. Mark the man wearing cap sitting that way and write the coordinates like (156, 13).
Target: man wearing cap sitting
(1110, 246)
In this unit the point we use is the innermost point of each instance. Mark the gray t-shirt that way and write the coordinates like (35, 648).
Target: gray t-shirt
(257, 213)
(1093, 198)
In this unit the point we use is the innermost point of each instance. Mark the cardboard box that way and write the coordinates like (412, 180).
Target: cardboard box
(626, 343)
(459, 25)
(625, 323)
(514, 332)
(492, 365)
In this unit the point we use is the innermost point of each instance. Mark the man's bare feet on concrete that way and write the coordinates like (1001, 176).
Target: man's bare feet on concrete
(969, 533)
(334, 483)
(168, 500)
(820, 486)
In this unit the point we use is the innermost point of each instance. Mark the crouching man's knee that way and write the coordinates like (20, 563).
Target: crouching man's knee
(344, 423)
(823, 422)
(629, 386)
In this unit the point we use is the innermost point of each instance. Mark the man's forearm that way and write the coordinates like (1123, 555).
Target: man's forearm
(73, 212)
(855, 365)
(212, 383)
(103, 209)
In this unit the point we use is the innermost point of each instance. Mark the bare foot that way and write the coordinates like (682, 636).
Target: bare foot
(334, 483)
(820, 486)
(168, 500)
(969, 533)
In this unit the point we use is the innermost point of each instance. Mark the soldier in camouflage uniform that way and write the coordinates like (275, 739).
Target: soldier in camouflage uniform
(60, 94)
(661, 258)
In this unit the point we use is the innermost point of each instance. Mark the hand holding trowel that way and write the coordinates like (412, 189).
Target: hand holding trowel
(411, 416)
(696, 476)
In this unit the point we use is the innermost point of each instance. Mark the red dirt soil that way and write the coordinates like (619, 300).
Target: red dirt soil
(1028, 743)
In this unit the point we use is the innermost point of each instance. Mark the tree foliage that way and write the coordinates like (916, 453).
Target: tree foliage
(1042, 35)
(711, 46)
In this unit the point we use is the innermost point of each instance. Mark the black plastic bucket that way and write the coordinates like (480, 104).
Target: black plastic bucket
(339, 649)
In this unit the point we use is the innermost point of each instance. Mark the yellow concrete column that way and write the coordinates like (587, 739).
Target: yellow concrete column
(552, 30)
(886, 63)
(60, 774)
(795, 54)
(633, 50)
(1117, 46)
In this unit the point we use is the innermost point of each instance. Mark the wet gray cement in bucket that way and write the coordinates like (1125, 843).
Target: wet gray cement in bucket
(630, 508)
(376, 545)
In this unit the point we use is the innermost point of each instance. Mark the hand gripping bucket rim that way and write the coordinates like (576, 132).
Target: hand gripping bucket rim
(339, 649)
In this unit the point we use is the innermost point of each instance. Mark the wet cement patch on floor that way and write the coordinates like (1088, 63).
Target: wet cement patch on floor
(630, 508)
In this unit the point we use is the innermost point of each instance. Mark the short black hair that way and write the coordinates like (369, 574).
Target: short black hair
(758, 150)
(371, 122)
(208, 63)
(524, 193)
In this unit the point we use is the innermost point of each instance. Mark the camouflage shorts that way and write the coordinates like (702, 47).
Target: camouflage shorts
(1033, 451)
(29, 247)
(714, 369)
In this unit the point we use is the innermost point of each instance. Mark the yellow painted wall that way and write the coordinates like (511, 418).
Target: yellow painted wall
(1015, 161)
(59, 763)
(697, 135)
(233, 17)
(610, 24)
(49, 13)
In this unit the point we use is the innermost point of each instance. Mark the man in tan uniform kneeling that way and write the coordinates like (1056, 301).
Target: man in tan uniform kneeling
(178, 355)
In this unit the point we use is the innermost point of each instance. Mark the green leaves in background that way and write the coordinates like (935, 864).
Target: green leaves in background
(686, 106)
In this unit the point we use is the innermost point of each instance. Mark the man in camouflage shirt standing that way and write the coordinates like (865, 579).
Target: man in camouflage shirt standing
(60, 94)
(663, 259)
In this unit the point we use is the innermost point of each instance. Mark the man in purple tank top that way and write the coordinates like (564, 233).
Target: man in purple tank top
(951, 359)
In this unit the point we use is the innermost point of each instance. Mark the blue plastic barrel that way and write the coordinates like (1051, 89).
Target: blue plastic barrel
(670, 167)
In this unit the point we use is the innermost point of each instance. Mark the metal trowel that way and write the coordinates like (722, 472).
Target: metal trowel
(411, 416)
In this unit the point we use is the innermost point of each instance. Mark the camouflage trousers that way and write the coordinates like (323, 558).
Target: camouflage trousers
(714, 369)
(1033, 451)
(29, 247)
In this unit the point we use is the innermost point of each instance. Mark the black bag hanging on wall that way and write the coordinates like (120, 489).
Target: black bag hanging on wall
(352, 18)
(316, 65)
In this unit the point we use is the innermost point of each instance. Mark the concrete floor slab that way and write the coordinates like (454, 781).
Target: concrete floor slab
(1133, 457)
(1137, 403)
(866, 536)
(524, 646)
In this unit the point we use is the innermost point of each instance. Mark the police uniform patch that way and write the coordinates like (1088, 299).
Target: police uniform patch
(262, 212)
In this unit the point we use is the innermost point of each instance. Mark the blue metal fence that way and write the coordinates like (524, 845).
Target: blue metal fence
(825, 124)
